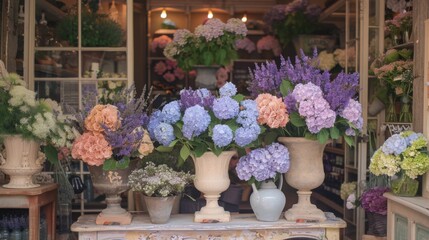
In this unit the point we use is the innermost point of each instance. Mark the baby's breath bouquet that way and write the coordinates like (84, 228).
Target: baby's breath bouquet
(158, 181)
(404, 155)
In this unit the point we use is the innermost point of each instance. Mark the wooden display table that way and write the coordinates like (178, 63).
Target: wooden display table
(181, 226)
(33, 199)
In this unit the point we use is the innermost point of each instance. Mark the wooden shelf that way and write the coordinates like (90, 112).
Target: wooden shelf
(327, 201)
(335, 150)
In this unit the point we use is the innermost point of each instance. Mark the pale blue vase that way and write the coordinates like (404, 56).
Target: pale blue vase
(268, 201)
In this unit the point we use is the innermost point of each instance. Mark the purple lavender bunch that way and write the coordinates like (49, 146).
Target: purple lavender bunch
(202, 97)
(372, 200)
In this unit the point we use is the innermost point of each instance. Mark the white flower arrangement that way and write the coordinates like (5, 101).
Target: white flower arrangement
(158, 181)
(326, 61)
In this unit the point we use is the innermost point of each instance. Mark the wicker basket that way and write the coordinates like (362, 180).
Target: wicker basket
(377, 224)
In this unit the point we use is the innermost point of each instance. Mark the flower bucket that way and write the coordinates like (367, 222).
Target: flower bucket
(377, 224)
(206, 77)
(404, 186)
(159, 208)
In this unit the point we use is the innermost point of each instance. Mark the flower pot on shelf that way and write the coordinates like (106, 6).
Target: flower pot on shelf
(159, 208)
(306, 173)
(112, 183)
(206, 76)
(211, 178)
(21, 161)
(375, 107)
(308, 42)
(268, 202)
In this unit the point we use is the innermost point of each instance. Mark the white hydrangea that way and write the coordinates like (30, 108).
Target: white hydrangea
(22, 96)
(326, 61)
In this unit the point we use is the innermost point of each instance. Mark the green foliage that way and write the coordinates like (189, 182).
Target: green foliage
(98, 30)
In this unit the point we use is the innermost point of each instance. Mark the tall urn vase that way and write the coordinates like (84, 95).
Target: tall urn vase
(21, 160)
(112, 183)
(211, 178)
(305, 173)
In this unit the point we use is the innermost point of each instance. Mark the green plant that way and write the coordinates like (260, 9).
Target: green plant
(98, 30)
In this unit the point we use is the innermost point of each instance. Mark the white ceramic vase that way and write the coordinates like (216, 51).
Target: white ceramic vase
(21, 160)
(206, 76)
(211, 178)
(268, 201)
(305, 173)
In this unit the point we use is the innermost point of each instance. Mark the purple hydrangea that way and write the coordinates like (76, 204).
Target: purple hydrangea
(395, 144)
(264, 163)
(154, 120)
(372, 200)
(164, 133)
(195, 121)
(225, 108)
(353, 113)
(246, 135)
(222, 135)
(171, 112)
(228, 90)
(202, 97)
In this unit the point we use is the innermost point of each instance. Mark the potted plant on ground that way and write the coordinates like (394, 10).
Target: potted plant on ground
(160, 186)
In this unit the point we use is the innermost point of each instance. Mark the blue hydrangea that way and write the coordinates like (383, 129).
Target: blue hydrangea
(250, 105)
(154, 120)
(247, 118)
(164, 133)
(171, 112)
(228, 90)
(246, 135)
(195, 121)
(222, 135)
(225, 108)
(396, 144)
(412, 137)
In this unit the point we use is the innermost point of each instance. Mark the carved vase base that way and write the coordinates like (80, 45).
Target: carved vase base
(212, 217)
(114, 219)
(305, 211)
(21, 178)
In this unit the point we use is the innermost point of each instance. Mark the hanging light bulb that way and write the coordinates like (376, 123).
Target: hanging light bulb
(210, 14)
(163, 13)
(113, 12)
(244, 18)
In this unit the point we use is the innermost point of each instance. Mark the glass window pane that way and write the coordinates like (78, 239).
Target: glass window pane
(56, 64)
(101, 64)
(108, 89)
(64, 92)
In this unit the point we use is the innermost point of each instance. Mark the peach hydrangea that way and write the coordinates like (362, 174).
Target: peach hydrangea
(92, 148)
(102, 115)
(146, 145)
(272, 111)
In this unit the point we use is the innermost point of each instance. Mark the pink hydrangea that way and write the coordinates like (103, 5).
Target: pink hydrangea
(169, 77)
(102, 116)
(212, 29)
(245, 44)
(269, 43)
(179, 73)
(272, 111)
(160, 42)
(160, 67)
(92, 148)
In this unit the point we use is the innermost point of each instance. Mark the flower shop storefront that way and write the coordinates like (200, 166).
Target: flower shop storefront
(178, 119)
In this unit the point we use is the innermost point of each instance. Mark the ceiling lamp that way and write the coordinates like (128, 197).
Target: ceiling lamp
(113, 11)
(163, 13)
(244, 18)
(210, 14)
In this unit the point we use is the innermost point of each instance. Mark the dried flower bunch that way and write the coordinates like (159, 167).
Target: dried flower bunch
(158, 181)
(299, 100)
(111, 134)
(212, 43)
